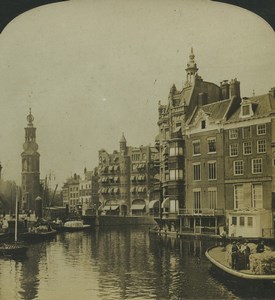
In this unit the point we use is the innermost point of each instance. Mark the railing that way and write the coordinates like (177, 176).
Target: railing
(202, 211)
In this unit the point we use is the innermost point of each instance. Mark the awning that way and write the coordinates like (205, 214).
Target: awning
(115, 190)
(153, 203)
(115, 168)
(116, 179)
(111, 168)
(110, 207)
(137, 206)
(133, 178)
(165, 203)
(133, 189)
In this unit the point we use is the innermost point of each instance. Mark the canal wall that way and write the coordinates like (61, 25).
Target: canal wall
(124, 221)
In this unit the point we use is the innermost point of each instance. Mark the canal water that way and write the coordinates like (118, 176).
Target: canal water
(116, 263)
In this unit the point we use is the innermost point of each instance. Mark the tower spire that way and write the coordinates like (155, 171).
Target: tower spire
(191, 69)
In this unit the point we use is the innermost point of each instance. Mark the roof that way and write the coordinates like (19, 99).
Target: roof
(263, 105)
(216, 110)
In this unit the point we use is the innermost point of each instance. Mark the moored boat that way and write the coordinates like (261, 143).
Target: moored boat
(14, 248)
(41, 232)
(75, 225)
(220, 258)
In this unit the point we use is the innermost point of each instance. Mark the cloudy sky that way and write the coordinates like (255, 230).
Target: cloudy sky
(92, 69)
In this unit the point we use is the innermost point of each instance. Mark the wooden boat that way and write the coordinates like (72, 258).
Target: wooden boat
(15, 248)
(75, 225)
(217, 256)
(39, 233)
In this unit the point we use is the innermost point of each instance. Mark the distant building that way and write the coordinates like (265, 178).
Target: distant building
(30, 167)
(88, 192)
(81, 194)
(126, 179)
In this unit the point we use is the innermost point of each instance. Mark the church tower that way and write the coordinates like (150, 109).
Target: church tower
(30, 167)
(191, 69)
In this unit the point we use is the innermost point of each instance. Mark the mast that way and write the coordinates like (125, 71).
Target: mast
(16, 216)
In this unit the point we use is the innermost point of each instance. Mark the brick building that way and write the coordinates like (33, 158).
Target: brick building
(126, 179)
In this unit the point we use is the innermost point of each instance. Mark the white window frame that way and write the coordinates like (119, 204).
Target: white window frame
(257, 166)
(233, 150)
(212, 170)
(233, 133)
(261, 129)
(197, 168)
(197, 200)
(212, 197)
(209, 141)
(198, 144)
(261, 148)
(241, 167)
(247, 146)
(257, 195)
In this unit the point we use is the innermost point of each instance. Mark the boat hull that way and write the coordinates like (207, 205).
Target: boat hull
(38, 236)
(12, 250)
(238, 275)
(73, 229)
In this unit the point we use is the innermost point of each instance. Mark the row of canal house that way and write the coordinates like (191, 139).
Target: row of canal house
(217, 158)
(126, 180)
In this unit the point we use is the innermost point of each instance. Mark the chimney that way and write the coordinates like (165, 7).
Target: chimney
(224, 86)
(272, 92)
(234, 88)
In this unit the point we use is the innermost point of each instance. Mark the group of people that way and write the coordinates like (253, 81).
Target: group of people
(240, 253)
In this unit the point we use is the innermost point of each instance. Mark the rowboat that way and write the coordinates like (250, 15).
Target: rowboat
(218, 257)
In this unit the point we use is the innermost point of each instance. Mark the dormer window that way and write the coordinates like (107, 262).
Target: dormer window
(246, 109)
(203, 124)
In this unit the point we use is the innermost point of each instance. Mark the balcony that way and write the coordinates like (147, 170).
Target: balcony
(201, 212)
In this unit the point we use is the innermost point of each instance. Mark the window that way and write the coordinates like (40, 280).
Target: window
(241, 221)
(212, 198)
(238, 196)
(203, 124)
(250, 221)
(246, 110)
(238, 167)
(257, 195)
(212, 173)
(196, 147)
(261, 129)
(197, 171)
(234, 221)
(233, 134)
(257, 166)
(176, 174)
(175, 149)
(233, 149)
(197, 201)
(211, 145)
(246, 132)
(247, 148)
(261, 146)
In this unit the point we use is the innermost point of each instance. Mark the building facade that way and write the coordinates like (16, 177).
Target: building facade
(31, 188)
(126, 179)
(216, 158)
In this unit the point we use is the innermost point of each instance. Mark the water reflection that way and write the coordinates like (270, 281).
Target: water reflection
(114, 264)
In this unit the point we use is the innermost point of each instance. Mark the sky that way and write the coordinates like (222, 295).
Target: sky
(91, 70)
